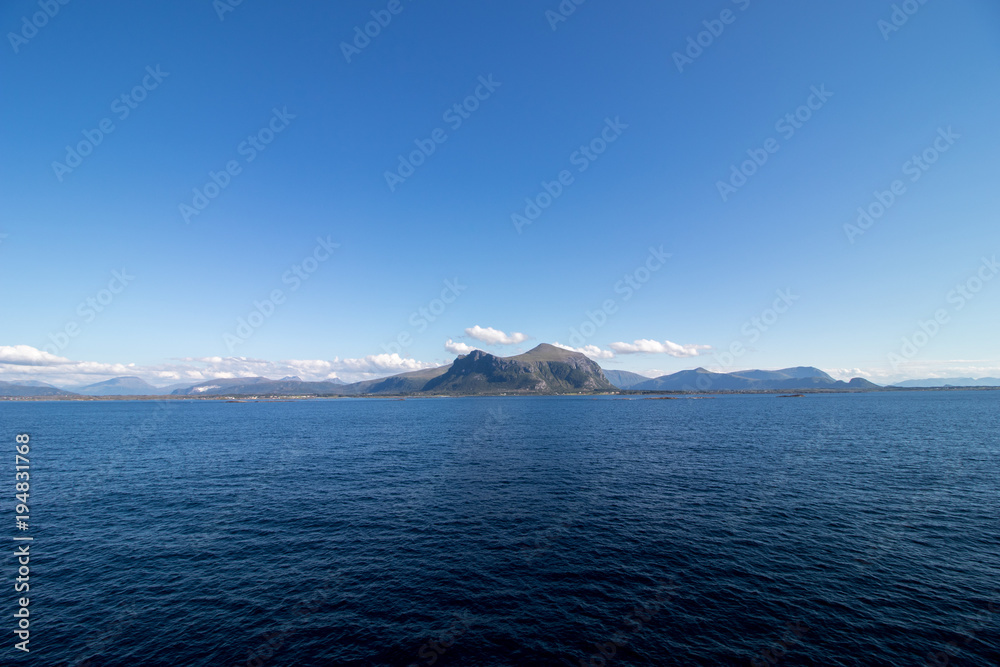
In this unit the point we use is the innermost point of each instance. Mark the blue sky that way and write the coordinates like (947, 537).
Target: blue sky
(329, 130)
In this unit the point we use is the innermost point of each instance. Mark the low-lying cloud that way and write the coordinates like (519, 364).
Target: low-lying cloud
(647, 346)
(591, 351)
(23, 362)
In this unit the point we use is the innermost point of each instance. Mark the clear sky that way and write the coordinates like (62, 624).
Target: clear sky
(310, 116)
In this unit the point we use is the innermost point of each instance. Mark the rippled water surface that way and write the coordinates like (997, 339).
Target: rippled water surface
(736, 530)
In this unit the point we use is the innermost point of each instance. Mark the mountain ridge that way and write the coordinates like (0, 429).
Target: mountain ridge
(545, 369)
(786, 379)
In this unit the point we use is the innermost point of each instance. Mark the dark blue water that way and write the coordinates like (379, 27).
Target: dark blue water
(825, 530)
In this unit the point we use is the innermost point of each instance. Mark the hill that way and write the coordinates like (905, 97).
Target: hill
(800, 377)
(624, 379)
(404, 383)
(11, 389)
(261, 386)
(123, 386)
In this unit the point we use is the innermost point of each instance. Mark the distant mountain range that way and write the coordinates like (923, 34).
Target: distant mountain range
(800, 377)
(30, 389)
(624, 379)
(123, 386)
(257, 386)
(546, 369)
(950, 382)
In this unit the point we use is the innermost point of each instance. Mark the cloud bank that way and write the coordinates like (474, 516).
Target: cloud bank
(23, 362)
(25, 355)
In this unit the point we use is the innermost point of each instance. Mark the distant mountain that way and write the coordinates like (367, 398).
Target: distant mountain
(11, 389)
(950, 382)
(800, 377)
(796, 373)
(545, 369)
(404, 383)
(624, 379)
(236, 386)
(123, 386)
(169, 389)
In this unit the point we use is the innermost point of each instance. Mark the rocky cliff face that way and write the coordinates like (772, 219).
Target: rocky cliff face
(544, 370)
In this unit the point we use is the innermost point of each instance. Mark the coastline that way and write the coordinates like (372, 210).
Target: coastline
(259, 398)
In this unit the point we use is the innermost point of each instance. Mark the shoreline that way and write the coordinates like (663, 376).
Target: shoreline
(270, 398)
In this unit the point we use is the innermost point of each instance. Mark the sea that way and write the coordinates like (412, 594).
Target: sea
(827, 529)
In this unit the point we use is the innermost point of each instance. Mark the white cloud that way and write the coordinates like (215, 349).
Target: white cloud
(591, 351)
(849, 373)
(458, 348)
(921, 370)
(375, 363)
(646, 346)
(23, 362)
(492, 336)
(25, 355)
